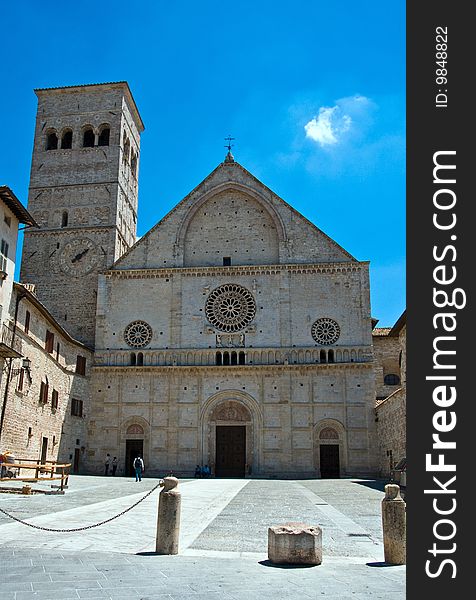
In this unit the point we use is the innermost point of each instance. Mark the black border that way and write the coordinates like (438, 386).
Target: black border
(431, 129)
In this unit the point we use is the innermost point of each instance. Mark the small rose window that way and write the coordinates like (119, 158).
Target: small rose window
(138, 334)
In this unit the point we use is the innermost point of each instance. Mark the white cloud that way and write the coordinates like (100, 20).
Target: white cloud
(332, 122)
(328, 125)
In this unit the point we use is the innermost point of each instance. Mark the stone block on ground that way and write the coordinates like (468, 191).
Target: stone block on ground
(295, 543)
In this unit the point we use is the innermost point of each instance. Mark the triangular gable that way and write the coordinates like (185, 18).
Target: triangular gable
(299, 240)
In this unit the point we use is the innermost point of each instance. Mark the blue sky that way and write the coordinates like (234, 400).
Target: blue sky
(313, 92)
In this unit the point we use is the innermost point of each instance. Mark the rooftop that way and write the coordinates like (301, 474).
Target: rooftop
(17, 208)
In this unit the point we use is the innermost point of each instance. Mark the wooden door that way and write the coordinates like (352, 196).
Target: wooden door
(329, 462)
(76, 460)
(230, 451)
(44, 450)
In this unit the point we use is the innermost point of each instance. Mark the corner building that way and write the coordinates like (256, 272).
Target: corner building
(234, 333)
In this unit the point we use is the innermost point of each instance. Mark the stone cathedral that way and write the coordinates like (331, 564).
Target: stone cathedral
(234, 333)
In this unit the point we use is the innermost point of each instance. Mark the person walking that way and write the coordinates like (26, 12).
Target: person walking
(114, 465)
(107, 462)
(138, 465)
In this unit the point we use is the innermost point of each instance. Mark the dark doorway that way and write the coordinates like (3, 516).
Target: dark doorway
(329, 463)
(133, 449)
(76, 461)
(44, 450)
(231, 451)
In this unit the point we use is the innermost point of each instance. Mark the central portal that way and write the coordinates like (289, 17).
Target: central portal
(230, 451)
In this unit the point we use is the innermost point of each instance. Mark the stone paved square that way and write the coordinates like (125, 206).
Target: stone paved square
(223, 542)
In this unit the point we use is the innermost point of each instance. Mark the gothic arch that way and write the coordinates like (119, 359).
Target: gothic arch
(231, 407)
(231, 186)
(330, 431)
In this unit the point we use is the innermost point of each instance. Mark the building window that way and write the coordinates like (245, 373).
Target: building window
(76, 407)
(391, 379)
(3, 255)
(81, 365)
(88, 138)
(127, 149)
(64, 219)
(241, 358)
(67, 140)
(49, 341)
(103, 139)
(57, 351)
(8, 220)
(27, 321)
(140, 359)
(54, 400)
(133, 359)
(218, 358)
(134, 163)
(227, 261)
(20, 380)
(52, 141)
(43, 399)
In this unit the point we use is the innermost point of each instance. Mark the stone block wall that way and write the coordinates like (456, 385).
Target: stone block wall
(28, 419)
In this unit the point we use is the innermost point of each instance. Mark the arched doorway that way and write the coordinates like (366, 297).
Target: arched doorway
(230, 420)
(230, 434)
(134, 442)
(329, 449)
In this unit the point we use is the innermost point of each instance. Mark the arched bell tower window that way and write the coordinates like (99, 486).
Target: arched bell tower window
(64, 219)
(104, 135)
(52, 141)
(133, 163)
(88, 138)
(127, 149)
(67, 140)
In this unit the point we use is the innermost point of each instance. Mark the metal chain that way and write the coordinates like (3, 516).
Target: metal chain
(87, 526)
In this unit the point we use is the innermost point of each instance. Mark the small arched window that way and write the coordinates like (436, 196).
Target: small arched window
(67, 140)
(323, 356)
(133, 359)
(234, 358)
(391, 379)
(127, 149)
(331, 356)
(218, 358)
(64, 219)
(88, 138)
(241, 358)
(52, 141)
(104, 136)
(226, 358)
(133, 163)
(140, 359)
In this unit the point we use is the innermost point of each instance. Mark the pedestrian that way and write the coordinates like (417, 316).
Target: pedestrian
(107, 462)
(197, 471)
(138, 465)
(114, 465)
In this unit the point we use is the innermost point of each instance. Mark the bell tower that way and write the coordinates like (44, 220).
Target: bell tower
(83, 194)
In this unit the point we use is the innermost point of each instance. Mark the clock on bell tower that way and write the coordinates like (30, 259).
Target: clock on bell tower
(83, 194)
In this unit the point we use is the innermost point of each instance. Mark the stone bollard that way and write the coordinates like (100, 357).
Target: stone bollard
(394, 526)
(295, 544)
(168, 519)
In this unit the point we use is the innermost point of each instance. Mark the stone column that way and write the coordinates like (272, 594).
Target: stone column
(168, 519)
(394, 526)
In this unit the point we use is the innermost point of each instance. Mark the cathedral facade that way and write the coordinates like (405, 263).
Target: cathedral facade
(234, 333)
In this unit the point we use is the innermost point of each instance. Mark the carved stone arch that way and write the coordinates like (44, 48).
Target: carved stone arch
(135, 420)
(233, 186)
(330, 431)
(231, 407)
